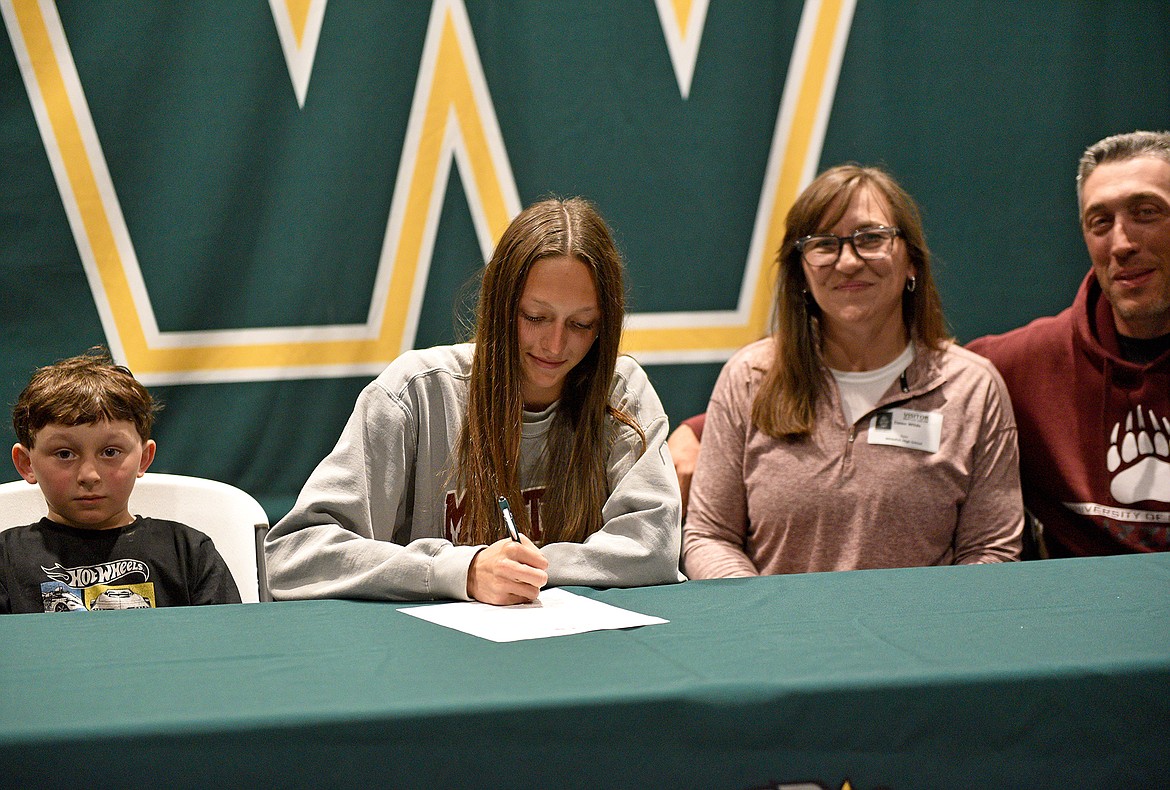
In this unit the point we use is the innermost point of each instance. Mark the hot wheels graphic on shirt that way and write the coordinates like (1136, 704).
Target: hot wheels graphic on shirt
(103, 573)
(95, 588)
(59, 597)
(133, 597)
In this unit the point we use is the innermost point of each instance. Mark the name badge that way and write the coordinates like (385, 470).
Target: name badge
(918, 430)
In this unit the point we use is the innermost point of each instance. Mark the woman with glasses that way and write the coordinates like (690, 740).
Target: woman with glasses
(858, 435)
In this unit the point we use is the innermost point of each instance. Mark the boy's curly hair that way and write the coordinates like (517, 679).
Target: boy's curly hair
(82, 390)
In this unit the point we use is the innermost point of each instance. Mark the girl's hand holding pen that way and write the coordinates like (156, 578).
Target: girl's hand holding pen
(507, 572)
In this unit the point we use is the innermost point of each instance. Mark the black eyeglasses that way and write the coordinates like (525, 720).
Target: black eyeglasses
(869, 244)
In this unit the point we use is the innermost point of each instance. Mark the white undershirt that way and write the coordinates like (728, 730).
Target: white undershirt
(861, 390)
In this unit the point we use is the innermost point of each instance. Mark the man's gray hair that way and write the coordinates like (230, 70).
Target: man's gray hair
(1118, 148)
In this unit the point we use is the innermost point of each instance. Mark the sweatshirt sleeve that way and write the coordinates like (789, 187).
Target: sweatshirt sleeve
(339, 539)
(717, 516)
(639, 541)
(991, 520)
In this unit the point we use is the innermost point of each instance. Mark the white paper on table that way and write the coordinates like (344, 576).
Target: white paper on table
(556, 612)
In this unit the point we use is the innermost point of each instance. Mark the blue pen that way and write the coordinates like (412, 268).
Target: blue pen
(509, 522)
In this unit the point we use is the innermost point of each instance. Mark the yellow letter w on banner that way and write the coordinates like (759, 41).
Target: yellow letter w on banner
(451, 118)
(793, 160)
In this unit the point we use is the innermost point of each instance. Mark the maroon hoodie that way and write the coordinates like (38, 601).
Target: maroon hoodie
(1094, 430)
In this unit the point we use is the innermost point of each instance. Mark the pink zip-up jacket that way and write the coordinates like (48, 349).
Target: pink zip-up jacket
(837, 501)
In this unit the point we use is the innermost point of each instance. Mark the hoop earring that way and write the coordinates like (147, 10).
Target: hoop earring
(911, 284)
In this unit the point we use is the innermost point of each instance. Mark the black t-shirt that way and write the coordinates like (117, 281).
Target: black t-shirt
(1142, 351)
(49, 567)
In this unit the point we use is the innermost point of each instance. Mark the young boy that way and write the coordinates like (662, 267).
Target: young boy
(83, 426)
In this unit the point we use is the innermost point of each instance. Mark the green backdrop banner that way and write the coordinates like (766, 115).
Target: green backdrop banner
(258, 206)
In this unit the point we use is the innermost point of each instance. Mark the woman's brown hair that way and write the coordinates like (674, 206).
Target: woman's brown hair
(488, 454)
(785, 405)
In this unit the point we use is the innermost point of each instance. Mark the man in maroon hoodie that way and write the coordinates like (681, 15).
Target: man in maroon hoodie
(1091, 386)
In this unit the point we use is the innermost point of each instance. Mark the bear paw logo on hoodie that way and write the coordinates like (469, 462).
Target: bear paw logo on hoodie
(1140, 461)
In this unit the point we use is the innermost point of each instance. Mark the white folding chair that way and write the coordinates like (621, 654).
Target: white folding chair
(231, 517)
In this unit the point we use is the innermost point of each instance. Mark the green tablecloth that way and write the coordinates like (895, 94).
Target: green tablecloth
(1052, 673)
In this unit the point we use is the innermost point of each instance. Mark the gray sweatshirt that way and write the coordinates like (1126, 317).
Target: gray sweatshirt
(380, 516)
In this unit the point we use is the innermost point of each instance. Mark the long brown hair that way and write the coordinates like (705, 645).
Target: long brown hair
(488, 455)
(785, 405)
